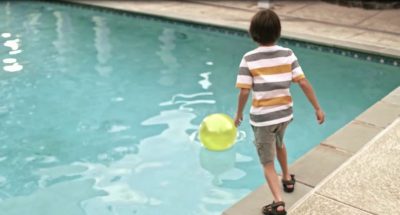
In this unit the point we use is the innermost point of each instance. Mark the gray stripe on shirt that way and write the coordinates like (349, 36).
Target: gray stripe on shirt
(244, 71)
(271, 86)
(295, 64)
(271, 116)
(267, 55)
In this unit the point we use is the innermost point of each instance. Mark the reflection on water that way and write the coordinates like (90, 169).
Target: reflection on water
(168, 75)
(63, 42)
(217, 163)
(9, 60)
(32, 23)
(102, 45)
(10, 63)
(185, 100)
(12, 44)
(205, 83)
(6, 35)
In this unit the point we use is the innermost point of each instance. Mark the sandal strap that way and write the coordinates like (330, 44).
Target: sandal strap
(267, 208)
(292, 181)
(277, 204)
(273, 207)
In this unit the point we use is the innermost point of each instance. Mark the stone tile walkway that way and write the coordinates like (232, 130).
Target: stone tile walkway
(366, 184)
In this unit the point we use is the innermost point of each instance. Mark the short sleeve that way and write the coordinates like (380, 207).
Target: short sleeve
(297, 71)
(244, 78)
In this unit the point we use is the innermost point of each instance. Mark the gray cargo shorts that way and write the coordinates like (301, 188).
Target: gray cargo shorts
(267, 138)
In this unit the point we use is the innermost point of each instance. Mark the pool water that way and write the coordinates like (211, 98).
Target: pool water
(99, 112)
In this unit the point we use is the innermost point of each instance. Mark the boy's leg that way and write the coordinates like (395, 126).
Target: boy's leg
(281, 152)
(273, 182)
(282, 158)
(265, 144)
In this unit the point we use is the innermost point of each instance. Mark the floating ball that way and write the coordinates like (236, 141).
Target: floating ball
(217, 132)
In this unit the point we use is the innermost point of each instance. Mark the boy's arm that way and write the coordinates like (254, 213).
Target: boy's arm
(309, 92)
(243, 96)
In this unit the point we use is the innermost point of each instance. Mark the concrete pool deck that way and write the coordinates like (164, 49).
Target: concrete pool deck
(353, 175)
(365, 184)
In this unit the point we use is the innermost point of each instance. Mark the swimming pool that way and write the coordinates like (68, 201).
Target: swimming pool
(99, 111)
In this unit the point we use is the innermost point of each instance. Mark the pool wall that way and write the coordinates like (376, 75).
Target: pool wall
(331, 153)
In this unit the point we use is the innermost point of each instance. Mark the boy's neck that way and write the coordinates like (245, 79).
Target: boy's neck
(266, 45)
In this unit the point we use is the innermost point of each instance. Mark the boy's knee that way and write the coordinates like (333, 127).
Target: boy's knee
(267, 162)
(278, 148)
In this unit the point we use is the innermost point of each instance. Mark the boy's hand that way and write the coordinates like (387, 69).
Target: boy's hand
(320, 116)
(238, 119)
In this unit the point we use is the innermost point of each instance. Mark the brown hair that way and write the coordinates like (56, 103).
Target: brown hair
(265, 27)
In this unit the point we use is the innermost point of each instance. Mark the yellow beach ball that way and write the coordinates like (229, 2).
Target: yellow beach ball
(217, 132)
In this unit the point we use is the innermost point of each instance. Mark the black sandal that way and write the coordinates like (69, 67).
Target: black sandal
(285, 184)
(272, 209)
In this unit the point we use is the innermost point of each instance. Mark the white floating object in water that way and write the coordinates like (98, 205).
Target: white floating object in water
(13, 68)
(9, 60)
(205, 83)
(15, 52)
(6, 35)
(13, 44)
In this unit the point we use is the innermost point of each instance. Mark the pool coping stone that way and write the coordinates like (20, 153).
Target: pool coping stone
(327, 158)
(352, 137)
(381, 113)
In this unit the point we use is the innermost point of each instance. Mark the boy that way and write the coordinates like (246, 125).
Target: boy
(268, 72)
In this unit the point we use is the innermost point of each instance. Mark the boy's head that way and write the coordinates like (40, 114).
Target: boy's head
(265, 27)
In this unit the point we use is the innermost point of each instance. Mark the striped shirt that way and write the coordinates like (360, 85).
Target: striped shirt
(268, 72)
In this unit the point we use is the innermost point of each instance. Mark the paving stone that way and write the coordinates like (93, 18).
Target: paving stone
(337, 14)
(372, 37)
(371, 180)
(393, 97)
(353, 136)
(385, 21)
(283, 8)
(317, 164)
(319, 205)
